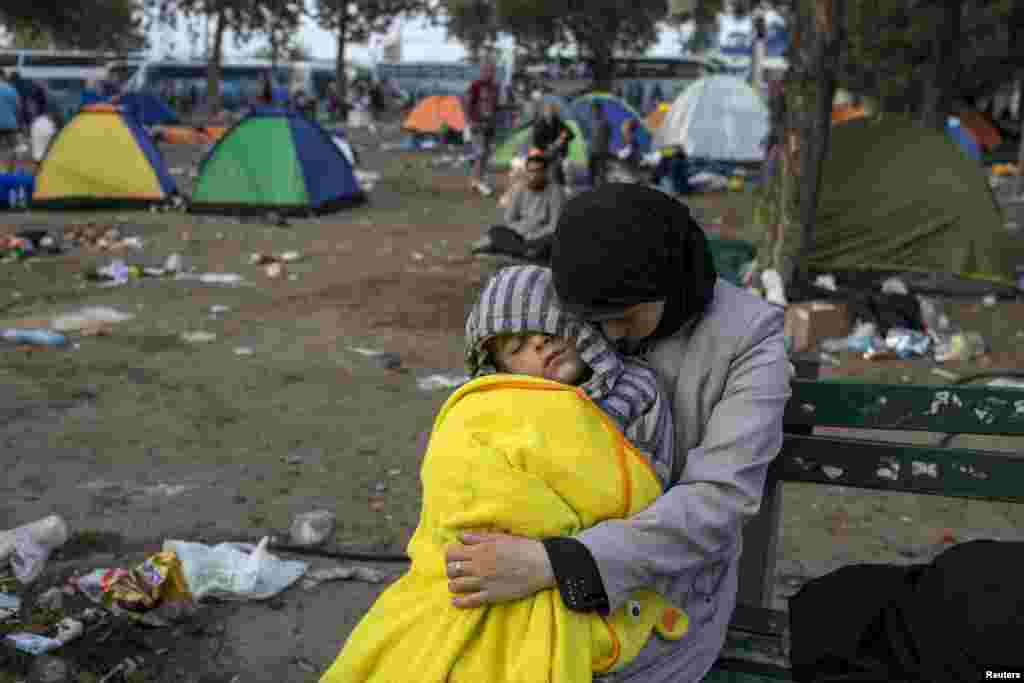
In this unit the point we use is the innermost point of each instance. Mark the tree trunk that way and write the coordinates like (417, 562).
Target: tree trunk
(341, 79)
(1014, 41)
(944, 69)
(275, 50)
(213, 68)
(829, 40)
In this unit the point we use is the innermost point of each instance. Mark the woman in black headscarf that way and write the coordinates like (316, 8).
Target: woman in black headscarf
(632, 260)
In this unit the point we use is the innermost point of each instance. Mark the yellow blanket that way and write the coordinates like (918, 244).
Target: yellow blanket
(534, 458)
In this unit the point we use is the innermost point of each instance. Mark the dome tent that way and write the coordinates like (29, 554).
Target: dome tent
(942, 219)
(275, 160)
(718, 117)
(103, 158)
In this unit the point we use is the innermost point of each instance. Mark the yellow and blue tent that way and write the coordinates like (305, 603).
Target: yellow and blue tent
(102, 159)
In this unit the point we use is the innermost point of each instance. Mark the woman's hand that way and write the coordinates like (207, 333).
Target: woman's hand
(489, 568)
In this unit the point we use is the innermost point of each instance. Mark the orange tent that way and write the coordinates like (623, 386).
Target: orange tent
(186, 135)
(434, 112)
(981, 129)
(847, 113)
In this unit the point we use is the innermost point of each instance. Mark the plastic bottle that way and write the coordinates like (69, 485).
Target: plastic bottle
(35, 337)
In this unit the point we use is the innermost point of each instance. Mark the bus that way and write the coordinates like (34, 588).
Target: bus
(63, 73)
(240, 80)
(185, 81)
(422, 79)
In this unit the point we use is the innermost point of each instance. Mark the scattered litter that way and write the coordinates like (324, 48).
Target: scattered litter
(441, 381)
(311, 529)
(116, 271)
(945, 374)
(382, 359)
(219, 309)
(990, 300)
(125, 669)
(863, 339)
(394, 472)
(906, 343)
(29, 546)
(274, 270)
(88, 317)
(258, 259)
(10, 605)
(154, 593)
(1007, 383)
(33, 644)
(832, 472)
(962, 346)
(894, 285)
(291, 256)
(52, 599)
(173, 264)
(234, 571)
(33, 337)
(367, 574)
(826, 282)
(198, 337)
(905, 519)
(243, 351)
(212, 278)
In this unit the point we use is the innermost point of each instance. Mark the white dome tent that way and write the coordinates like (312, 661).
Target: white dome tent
(719, 118)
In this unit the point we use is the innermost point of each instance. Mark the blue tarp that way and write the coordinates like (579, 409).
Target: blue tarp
(148, 109)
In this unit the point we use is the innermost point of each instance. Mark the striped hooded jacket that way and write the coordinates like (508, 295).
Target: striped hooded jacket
(520, 300)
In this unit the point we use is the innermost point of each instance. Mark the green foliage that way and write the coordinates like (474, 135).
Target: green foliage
(599, 29)
(85, 24)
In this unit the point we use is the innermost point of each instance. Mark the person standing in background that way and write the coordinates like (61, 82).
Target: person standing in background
(481, 115)
(10, 119)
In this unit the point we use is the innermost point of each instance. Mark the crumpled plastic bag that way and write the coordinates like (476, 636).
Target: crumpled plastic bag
(155, 592)
(32, 643)
(89, 316)
(29, 558)
(234, 571)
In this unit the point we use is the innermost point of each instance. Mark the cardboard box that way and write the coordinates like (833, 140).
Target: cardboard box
(809, 322)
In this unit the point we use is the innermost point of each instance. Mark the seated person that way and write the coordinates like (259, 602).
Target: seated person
(530, 218)
(555, 433)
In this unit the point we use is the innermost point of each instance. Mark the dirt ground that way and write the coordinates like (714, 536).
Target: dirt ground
(139, 436)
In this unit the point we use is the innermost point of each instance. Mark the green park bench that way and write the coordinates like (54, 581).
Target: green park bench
(757, 646)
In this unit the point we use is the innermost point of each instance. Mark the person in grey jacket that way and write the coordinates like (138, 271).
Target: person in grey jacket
(530, 219)
(632, 260)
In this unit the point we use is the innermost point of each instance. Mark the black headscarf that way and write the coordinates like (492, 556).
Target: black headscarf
(627, 244)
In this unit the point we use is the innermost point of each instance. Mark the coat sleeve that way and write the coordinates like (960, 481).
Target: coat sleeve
(514, 212)
(697, 522)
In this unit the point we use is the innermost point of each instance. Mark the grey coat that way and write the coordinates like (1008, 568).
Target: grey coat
(728, 378)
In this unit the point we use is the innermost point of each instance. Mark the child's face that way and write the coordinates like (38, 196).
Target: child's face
(538, 355)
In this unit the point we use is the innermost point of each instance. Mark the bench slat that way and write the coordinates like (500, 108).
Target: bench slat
(946, 409)
(888, 466)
